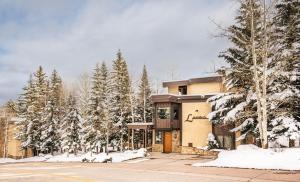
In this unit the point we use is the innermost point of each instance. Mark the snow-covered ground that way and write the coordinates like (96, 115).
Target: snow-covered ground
(250, 156)
(115, 157)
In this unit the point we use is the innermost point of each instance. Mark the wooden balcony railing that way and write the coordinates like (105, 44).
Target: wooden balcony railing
(163, 123)
(167, 124)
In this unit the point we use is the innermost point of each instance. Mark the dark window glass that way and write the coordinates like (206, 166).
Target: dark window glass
(182, 90)
(175, 114)
(158, 137)
(163, 112)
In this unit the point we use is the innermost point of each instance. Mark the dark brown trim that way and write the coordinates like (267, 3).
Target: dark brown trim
(193, 80)
(167, 98)
(143, 126)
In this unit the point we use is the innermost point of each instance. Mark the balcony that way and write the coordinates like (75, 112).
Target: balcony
(167, 116)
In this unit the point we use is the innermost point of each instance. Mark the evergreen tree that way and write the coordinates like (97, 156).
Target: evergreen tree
(24, 103)
(41, 85)
(84, 95)
(239, 105)
(285, 77)
(120, 97)
(144, 101)
(71, 127)
(51, 115)
(107, 126)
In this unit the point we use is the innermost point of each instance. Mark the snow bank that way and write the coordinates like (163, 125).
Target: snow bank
(250, 156)
(7, 160)
(116, 157)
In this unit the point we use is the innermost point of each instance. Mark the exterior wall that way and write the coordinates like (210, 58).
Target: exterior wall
(199, 88)
(195, 132)
(13, 147)
(194, 150)
(157, 147)
(176, 141)
(173, 90)
(204, 88)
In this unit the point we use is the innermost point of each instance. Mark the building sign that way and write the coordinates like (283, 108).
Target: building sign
(195, 115)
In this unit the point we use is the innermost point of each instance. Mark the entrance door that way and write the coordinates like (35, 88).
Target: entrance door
(168, 142)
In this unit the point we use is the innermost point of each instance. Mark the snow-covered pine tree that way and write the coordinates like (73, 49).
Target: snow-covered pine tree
(144, 93)
(91, 136)
(51, 116)
(84, 94)
(285, 77)
(239, 104)
(107, 126)
(120, 96)
(71, 127)
(83, 100)
(30, 107)
(25, 101)
(40, 94)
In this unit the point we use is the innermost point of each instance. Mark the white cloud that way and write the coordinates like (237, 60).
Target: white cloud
(164, 35)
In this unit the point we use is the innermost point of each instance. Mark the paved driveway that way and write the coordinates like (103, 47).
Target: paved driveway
(158, 167)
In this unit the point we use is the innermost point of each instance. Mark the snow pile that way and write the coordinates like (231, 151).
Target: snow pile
(250, 156)
(29, 159)
(127, 155)
(7, 160)
(115, 157)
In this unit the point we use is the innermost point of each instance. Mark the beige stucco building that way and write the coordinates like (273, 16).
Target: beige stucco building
(180, 117)
(9, 145)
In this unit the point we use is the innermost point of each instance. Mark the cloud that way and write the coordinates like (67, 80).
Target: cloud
(72, 36)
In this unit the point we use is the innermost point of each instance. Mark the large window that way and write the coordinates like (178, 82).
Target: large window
(158, 137)
(182, 90)
(163, 112)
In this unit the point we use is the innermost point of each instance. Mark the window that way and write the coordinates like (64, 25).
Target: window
(158, 137)
(175, 114)
(163, 112)
(182, 90)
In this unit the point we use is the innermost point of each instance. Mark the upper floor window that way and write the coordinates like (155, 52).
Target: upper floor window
(163, 112)
(182, 90)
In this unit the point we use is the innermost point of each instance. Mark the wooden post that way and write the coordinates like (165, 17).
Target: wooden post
(145, 138)
(132, 139)
(128, 139)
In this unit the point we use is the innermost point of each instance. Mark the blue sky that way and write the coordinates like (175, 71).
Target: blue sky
(169, 36)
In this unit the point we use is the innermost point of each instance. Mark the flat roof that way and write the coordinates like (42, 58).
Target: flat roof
(180, 98)
(208, 79)
(140, 125)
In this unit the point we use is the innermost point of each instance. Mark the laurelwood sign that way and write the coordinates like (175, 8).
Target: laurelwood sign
(196, 115)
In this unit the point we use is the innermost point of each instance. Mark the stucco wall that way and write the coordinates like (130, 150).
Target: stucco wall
(157, 147)
(173, 90)
(204, 88)
(13, 144)
(199, 88)
(195, 132)
(176, 141)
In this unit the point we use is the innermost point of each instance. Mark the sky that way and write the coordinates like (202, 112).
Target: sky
(175, 39)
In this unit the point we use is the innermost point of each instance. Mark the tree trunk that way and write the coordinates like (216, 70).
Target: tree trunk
(107, 140)
(255, 70)
(132, 139)
(264, 82)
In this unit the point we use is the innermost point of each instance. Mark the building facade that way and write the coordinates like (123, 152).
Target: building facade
(10, 147)
(180, 122)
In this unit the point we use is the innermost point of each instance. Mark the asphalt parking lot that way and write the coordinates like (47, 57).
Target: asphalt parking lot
(158, 167)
